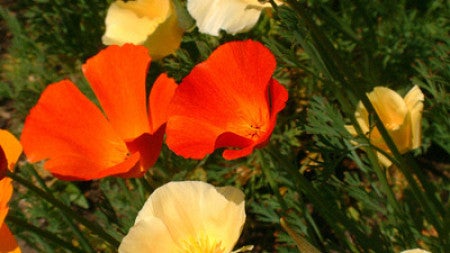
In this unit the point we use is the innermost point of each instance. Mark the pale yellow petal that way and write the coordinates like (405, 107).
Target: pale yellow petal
(166, 38)
(233, 16)
(390, 107)
(149, 235)
(415, 251)
(134, 21)
(157, 10)
(362, 117)
(11, 146)
(194, 210)
(384, 160)
(414, 101)
(351, 129)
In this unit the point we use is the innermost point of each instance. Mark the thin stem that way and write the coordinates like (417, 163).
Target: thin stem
(273, 184)
(43, 234)
(95, 228)
(338, 71)
(83, 241)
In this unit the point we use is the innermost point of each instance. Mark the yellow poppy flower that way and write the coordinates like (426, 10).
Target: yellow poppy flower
(152, 23)
(400, 116)
(188, 216)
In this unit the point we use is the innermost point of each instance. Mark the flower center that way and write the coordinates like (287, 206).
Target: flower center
(201, 244)
(254, 131)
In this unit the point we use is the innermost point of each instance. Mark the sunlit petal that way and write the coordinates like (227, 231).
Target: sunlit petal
(227, 94)
(400, 116)
(389, 105)
(152, 23)
(134, 21)
(414, 101)
(117, 76)
(148, 235)
(233, 16)
(195, 214)
(70, 132)
(11, 147)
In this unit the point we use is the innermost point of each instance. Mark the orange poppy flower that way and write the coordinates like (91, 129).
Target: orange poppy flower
(78, 141)
(230, 100)
(10, 151)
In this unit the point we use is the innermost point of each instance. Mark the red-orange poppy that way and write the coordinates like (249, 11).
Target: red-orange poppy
(230, 100)
(78, 141)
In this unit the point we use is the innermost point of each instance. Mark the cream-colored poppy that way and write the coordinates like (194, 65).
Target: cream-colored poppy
(401, 118)
(415, 251)
(152, 23)
(188, 216)
(233, 16)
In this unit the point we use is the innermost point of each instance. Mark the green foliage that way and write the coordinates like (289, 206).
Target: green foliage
(329, 191)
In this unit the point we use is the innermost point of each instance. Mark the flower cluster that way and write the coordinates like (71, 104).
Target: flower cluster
(228, 103)
(232, 106)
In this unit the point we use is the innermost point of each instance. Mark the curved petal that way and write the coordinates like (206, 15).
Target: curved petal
(233, 16)
(134, 21)
(390, 107)
(117, 75)
(160, 96)
(11, 147)
(148, 235)
(414, 101)
(8, 243)
(6, 190)
(148, 146)
(166, 39)
(72, 133)
(193, 209)
(229, 92)
(279, 96)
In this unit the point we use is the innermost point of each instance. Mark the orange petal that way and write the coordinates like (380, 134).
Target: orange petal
(160, 96)
(228, 93)
(117, 75)
(279, 96)
(11, 147)
(148, 146)
(6, 190)
(8, 243)
(72, 133)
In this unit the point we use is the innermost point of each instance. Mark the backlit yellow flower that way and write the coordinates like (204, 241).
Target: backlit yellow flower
(188, 216)
(233, 16)
(152, 23)
(400, 116)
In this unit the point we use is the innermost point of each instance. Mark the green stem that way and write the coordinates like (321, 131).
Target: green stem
(43, 233)
(95, 228)
(273, 184)
(337, 69)
(83, 241)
